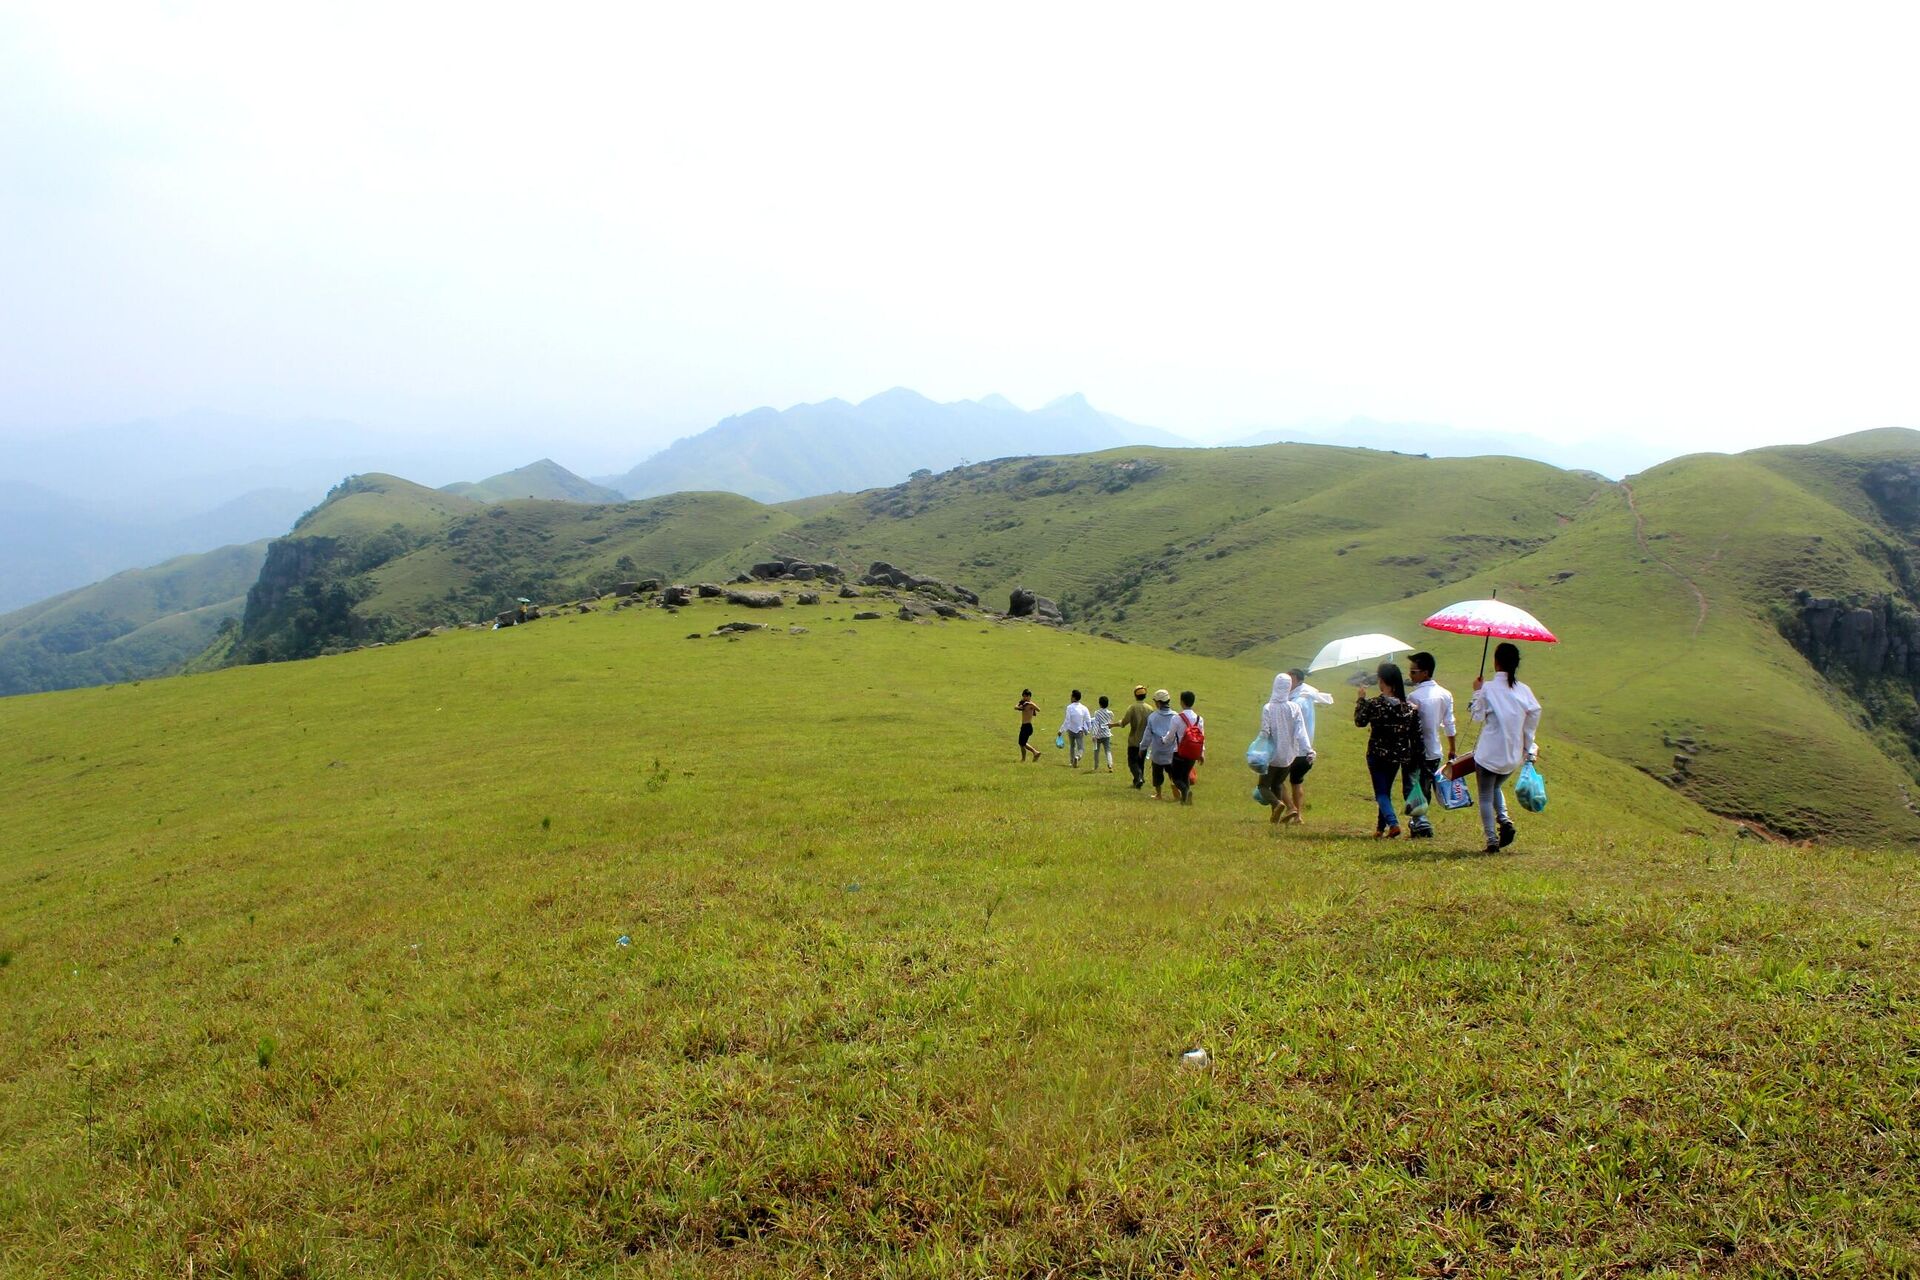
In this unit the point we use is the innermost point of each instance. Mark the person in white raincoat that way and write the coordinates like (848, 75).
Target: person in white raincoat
(1282, 725)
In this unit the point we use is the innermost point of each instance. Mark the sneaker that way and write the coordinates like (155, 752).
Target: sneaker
(1493, 845)
(1506, 834)
(1420, 833)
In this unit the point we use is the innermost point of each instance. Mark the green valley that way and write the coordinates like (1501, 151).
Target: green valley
(588, 948)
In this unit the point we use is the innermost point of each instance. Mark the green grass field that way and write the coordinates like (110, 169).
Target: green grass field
(312, 970)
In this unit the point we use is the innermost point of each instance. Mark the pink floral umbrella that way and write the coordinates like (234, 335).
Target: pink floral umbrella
(1490, 618)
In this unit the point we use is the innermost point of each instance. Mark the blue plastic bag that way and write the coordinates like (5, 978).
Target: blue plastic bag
(1059, 740)
(1260, 754)
(1452, 792)
(1530, 789)
(1260, 796)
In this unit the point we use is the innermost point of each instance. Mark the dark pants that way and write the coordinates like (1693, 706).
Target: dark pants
(1137, 765)
(1181, 771)
(1429, 774)
(1026, 732)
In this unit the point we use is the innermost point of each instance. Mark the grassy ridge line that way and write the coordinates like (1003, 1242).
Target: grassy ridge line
(1637, 668)
(894, 1003)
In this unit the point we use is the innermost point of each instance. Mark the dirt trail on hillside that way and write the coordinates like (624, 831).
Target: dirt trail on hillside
(1640, 532)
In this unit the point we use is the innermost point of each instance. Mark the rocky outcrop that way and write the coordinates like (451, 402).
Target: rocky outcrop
(1022, 603)
(1863, 635)
(1894, 487)
(676, 595)
(787, 568)
(882, 574)
(755, 599)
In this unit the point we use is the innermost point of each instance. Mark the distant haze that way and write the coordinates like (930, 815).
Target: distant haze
(581, 233)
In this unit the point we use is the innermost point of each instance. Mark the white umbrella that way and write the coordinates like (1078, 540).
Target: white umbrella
(1340, 653)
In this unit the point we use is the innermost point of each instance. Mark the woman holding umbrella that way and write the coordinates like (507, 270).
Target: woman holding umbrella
(1512, 715)
(1508, 708)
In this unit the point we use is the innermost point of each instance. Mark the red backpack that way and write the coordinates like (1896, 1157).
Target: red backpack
(1193, 743)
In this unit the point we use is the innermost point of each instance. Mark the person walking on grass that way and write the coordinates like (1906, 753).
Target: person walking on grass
(1309, 700)
(1393, 743)
(1160, 738)
(1511, 715)
(1077, 724)
(1135, 722)
(1436, 723)
(1103, 734)
(1028, 710)
(1282, 724)
(1183, 762)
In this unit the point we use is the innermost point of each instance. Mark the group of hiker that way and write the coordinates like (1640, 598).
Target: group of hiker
(1165, 743)
(1412, 739)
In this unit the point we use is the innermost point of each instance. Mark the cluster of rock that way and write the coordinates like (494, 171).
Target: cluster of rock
(913, 597)
(788, 569)
(882, 574)
(1876, 635)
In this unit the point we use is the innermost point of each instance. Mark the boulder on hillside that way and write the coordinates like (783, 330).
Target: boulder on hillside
(626, 588)
(676, 595)
(1020, 602)
(1047, 611)
(740, 626)
(866, 616)
(809, 597)
(710, 590)
(756, 599)
(849, 593)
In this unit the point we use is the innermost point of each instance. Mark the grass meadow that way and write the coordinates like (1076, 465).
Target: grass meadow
(315, 970)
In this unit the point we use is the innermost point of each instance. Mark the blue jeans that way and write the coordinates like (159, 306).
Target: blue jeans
(1076, 747)
(1383, 773)
(1493, 802)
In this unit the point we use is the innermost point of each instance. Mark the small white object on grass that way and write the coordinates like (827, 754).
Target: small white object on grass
(1196, 1058)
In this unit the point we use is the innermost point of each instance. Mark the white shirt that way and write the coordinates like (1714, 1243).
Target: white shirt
(1309, 699)
(1078, 720)
(1436, 716)
(1287, 730)
(1103, 723)
(1511, 716)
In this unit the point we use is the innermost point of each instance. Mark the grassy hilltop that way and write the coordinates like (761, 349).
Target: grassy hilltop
(313, 969)
(1680, 594)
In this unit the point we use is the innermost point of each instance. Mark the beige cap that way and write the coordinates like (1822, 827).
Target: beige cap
(1161, 695)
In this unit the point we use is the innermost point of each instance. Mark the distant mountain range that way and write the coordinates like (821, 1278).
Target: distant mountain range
(773, 455)
(51, 542)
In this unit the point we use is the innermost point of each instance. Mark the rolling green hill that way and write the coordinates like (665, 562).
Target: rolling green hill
(1745, 628)
(1674, 592)
(545, 479)
(136, 624)
(585, 948)
(383, 557)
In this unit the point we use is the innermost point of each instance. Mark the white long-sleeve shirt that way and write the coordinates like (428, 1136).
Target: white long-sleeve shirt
(1511, 715)
(1078, 720)
(1309, 700)
(1284, 726)
(1436, 716)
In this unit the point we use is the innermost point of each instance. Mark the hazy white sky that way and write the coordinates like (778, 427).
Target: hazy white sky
(1697, 225)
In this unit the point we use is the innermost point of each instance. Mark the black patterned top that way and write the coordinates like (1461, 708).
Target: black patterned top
(1396, 729)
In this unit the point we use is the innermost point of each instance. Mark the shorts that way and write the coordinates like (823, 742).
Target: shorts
(1300, 769)
(1026, 731)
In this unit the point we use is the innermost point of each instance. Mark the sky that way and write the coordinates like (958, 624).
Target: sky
(594, 229)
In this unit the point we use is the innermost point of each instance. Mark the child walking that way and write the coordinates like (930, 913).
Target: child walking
(1103, 734)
